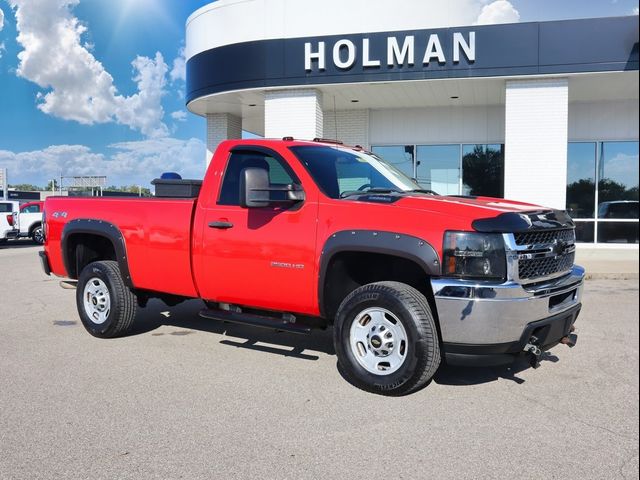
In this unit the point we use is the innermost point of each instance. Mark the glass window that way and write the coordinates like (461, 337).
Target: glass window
(585, 231)
(618, 232)
(400, 156)
(31, 209)
(439, 168)
(279, 174)
(483, 170)
(338, 171)
(618, 180)
(6, 207)
(581, 179)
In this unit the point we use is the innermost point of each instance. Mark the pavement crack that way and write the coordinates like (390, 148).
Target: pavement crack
(625, 462)
(574, 418)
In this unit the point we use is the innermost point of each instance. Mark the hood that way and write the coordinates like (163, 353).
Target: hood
(483, 214)
(468, 207)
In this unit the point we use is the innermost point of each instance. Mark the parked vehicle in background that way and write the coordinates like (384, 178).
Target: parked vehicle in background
(30, 221)
(623, 229)
(8, 219)
(293, 234)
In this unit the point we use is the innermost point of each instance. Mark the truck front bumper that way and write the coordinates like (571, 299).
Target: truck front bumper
(489, 324)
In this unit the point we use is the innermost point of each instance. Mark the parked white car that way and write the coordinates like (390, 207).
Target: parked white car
(30, 221)
(8, 219)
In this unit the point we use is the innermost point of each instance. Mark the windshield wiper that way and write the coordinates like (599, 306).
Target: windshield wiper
(422, 190)
(378, 190)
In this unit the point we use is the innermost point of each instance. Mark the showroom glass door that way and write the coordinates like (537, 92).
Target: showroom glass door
(438, 168)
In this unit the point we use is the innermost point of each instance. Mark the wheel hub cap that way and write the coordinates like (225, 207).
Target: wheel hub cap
(97, 301)
(378, 341)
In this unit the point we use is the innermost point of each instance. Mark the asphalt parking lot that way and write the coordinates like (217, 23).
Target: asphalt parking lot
(190, 398)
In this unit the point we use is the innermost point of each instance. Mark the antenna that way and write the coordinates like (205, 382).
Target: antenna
(335, 117)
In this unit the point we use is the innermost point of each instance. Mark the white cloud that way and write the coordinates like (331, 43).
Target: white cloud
(76, 85)
(179, 70)
(500, 11)
(179, 115)
(1, 19)
(622, 168)
(135, 163)
(3, 48)
(143, 110)
(635, 11)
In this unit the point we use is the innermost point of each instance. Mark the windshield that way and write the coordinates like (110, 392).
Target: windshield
(340, 172)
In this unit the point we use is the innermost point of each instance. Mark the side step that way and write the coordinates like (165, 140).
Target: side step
(69, 284)
(255, 320)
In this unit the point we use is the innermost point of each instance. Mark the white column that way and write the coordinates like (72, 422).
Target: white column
(349, 126)
(221, 126)
(536, 126)
(293, 113)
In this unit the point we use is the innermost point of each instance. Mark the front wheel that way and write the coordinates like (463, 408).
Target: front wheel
(386, 339)
(105, 304)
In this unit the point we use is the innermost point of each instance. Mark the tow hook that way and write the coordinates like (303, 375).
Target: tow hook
(534, 351)
(569, 340)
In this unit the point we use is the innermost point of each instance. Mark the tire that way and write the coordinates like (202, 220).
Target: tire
(398, 370)
(105, 304)
(37, 234)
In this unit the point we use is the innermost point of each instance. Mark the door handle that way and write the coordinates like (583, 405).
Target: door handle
(221, 224)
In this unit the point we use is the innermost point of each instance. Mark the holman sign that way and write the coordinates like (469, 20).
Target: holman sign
(400, 51)
(542, 48)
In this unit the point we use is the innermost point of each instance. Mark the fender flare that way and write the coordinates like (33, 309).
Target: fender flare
(100, 228)
(401, 245)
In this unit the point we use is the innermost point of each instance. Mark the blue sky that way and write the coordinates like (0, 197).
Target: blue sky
(72, 101)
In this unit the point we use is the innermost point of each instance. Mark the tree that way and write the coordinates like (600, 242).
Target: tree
(25, 187)
(581, 198)
(52, 185)
(134, 189)
(610, 190)
(483, 171)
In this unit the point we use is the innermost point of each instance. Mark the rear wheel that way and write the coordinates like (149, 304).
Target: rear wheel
(37, 235)
(105, 304)
(386, 339)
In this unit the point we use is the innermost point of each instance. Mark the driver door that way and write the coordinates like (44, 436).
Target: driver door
(262, 257)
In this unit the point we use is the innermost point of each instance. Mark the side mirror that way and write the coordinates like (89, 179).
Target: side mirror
(255, 190)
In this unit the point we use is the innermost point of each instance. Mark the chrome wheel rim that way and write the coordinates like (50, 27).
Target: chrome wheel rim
(97, 301)
(37, 235)
(378, 341)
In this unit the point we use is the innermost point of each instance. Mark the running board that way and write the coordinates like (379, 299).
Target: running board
(255, 320)
(69, 284)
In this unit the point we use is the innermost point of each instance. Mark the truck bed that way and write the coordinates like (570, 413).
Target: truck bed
(157, 235)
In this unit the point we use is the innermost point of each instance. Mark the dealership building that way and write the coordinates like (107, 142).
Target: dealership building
(543, 112)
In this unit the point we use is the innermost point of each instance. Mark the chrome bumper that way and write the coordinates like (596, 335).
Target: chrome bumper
(487, 314)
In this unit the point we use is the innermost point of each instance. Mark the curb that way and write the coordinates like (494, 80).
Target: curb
(611, 276)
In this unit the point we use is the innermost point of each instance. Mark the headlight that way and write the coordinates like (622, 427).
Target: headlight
(474, 255)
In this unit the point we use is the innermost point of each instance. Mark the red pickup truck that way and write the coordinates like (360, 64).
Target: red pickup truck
(282, 233)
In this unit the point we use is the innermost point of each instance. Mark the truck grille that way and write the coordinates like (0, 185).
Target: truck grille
(545, 254)
(547, 237)
(544, 267)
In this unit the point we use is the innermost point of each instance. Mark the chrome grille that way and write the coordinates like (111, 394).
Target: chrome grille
(545, 267)
(544, 254)
(545, 237)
